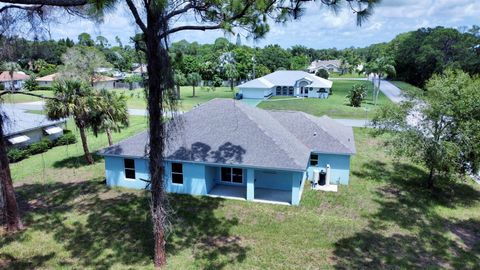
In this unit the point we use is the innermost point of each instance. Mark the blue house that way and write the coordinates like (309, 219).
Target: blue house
(228, 149)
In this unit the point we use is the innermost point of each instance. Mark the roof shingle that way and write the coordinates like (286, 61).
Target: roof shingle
(225, 131)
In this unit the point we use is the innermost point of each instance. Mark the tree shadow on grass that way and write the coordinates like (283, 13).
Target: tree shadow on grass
(75, 161)
(426, 239)
(102, 228)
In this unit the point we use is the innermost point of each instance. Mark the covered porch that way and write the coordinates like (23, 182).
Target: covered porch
(264, 195)
(267, 186)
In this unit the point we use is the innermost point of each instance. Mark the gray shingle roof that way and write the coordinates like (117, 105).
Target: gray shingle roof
(286, 78)
(226, 131)
(18, 121)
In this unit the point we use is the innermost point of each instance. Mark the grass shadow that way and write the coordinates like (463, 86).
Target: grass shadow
(426, 241)
(102, 227)
(75, 161)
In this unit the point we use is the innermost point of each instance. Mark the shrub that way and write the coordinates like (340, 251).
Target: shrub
(44, 88)
(39, 147)
(356, 95)
(322, 73)
(30, 83)
(16, 154)
(67, 138)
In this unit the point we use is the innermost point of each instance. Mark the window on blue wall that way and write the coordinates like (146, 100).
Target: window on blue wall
(129, 165)
(177, 173)
(232, 175)
(313, 160)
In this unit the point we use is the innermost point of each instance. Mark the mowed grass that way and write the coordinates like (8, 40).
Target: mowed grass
(408, 88)
(384, 219)
(19, 98)
(136, 97)
(66, 163)
(335, 106)
(346, 75)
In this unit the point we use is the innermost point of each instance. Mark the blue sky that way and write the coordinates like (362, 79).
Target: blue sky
(318, 28)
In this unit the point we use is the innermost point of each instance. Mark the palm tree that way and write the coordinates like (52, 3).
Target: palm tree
(110, 114)
(179, 79)
(73, 99)
(380, 67)
(194, 79)
(231, 73)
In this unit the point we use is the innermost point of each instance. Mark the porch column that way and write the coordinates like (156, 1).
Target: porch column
(250, 184)
(296, 182)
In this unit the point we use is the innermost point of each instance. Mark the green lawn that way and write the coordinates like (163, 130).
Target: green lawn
(408, 88)
(335, 106)
(136, 98)
(346, 75)
(383, 220)
(19, 98)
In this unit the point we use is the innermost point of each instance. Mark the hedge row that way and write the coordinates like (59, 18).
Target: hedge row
(17, 154)
(46, 88)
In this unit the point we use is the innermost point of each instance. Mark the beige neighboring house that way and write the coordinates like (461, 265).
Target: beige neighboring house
(17, 80)
(99, 82)
(328, 65)
(142, 69)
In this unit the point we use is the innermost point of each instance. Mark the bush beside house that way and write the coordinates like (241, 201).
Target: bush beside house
(18, 154)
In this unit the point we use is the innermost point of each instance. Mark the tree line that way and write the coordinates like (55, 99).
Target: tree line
(415, 55)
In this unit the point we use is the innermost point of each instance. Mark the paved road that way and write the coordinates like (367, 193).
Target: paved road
(38, 106)
(354, 122)
(392, 92)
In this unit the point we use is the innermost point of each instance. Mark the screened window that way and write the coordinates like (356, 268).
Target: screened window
(313, 160)
(177, 173)
(129, 165)
(290, 91)
(279, 91)
(232, 175)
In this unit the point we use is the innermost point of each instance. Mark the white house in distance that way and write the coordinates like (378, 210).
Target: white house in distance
(286, 83)
(17, 80)
(328, 65)
(99, 82)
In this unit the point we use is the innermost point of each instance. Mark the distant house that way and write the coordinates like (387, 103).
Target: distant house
(22, 128)
(225, 148)
(141, 69)
(16, 81)
(328, 65)
(286, 83)
(99, 82)
(46, 81)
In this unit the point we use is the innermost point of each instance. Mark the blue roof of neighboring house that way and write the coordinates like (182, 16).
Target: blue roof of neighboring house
(17, 121)
(226, 131)
(286, 78)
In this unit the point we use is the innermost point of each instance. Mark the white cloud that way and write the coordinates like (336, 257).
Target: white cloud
(318, 28)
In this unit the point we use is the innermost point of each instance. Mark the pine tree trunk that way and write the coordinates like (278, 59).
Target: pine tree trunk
(10, 210)
(86, 151)
(160, 78)
(193, 91)
(178, 91)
